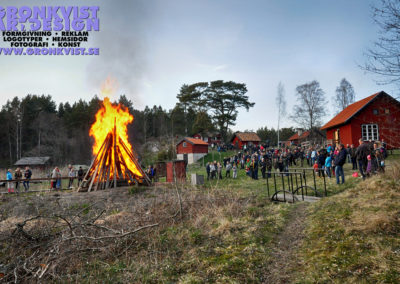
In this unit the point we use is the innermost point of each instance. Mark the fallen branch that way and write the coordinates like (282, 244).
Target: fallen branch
(110, 236)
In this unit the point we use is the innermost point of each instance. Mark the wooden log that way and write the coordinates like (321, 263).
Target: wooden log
(102, 164)
(108, 171)
(115, 152)
(136, 162)
(91, 165)
(127, 170)
(93, 177)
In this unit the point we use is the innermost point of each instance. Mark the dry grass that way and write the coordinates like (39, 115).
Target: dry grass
(354, 237)
(223, 236)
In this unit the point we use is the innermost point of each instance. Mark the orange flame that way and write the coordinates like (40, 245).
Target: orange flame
(107, 117)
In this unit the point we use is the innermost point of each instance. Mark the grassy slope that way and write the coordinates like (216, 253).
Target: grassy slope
(227, 240)
(244, 183)
(353, 237)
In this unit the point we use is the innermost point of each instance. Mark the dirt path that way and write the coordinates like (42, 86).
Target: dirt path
(284, 256)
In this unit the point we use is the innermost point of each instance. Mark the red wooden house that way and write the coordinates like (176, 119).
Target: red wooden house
(375, 118)
(209, 137)
(299, 137)
(241, 139)
(191, 149)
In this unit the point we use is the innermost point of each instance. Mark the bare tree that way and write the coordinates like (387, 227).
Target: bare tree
(384, 57)
(344, 95)
(281, 104)
(311, 105)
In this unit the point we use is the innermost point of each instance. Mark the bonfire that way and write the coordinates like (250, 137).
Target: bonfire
(115, 162)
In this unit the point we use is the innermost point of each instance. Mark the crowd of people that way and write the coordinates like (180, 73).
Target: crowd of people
(367, 157)
(18, 174)
(15, 179)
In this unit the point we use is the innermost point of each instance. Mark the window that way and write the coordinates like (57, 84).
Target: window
(375, 111)
(370, 132)
(387, 111)
(184, 145)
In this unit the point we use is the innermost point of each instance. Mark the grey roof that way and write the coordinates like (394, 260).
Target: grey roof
(32, 161)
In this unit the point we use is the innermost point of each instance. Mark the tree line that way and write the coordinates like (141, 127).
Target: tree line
(36, 126)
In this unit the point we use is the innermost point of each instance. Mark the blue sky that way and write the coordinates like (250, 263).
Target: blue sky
(152, 47)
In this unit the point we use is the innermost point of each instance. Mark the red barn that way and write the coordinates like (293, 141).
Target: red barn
(191, 149)
(375, 118)
(240, 139)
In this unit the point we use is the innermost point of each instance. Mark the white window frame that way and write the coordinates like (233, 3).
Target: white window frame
(184, 145)
(370, 132)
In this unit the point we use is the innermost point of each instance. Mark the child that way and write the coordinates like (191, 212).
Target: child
(328, 165)
(234, 169)
(315, 167)
(10, 185)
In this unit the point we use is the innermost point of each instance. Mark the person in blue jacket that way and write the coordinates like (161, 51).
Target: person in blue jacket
(328, 165)
(10, 184)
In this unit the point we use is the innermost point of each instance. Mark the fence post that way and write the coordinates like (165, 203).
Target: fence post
(315, 183)
(302, 189)
(291, 181)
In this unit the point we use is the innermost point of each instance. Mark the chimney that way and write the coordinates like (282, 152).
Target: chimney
(299, 131)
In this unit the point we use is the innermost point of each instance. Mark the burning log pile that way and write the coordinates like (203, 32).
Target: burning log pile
(115, 163)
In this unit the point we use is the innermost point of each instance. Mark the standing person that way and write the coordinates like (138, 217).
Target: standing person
(80, 175)
(10, 184)
(54, 178)
(234, 170)
(208, 170)
(315, 167)
(71, 175)
(27, 175)
(384, 149)
(58, 174)
(361, 154)
(213, 170)
(228, 169)
(269, 164)
(255, 167)
(328, 165)
(348, 150)
(339, 162)
(353, 157)
(313, 156)
(263, 166)
(321, 163)
(17, 177)
(301, 155)
(285, 161)
(219, 169)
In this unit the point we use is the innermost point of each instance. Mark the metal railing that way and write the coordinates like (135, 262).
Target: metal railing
(294, 184)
